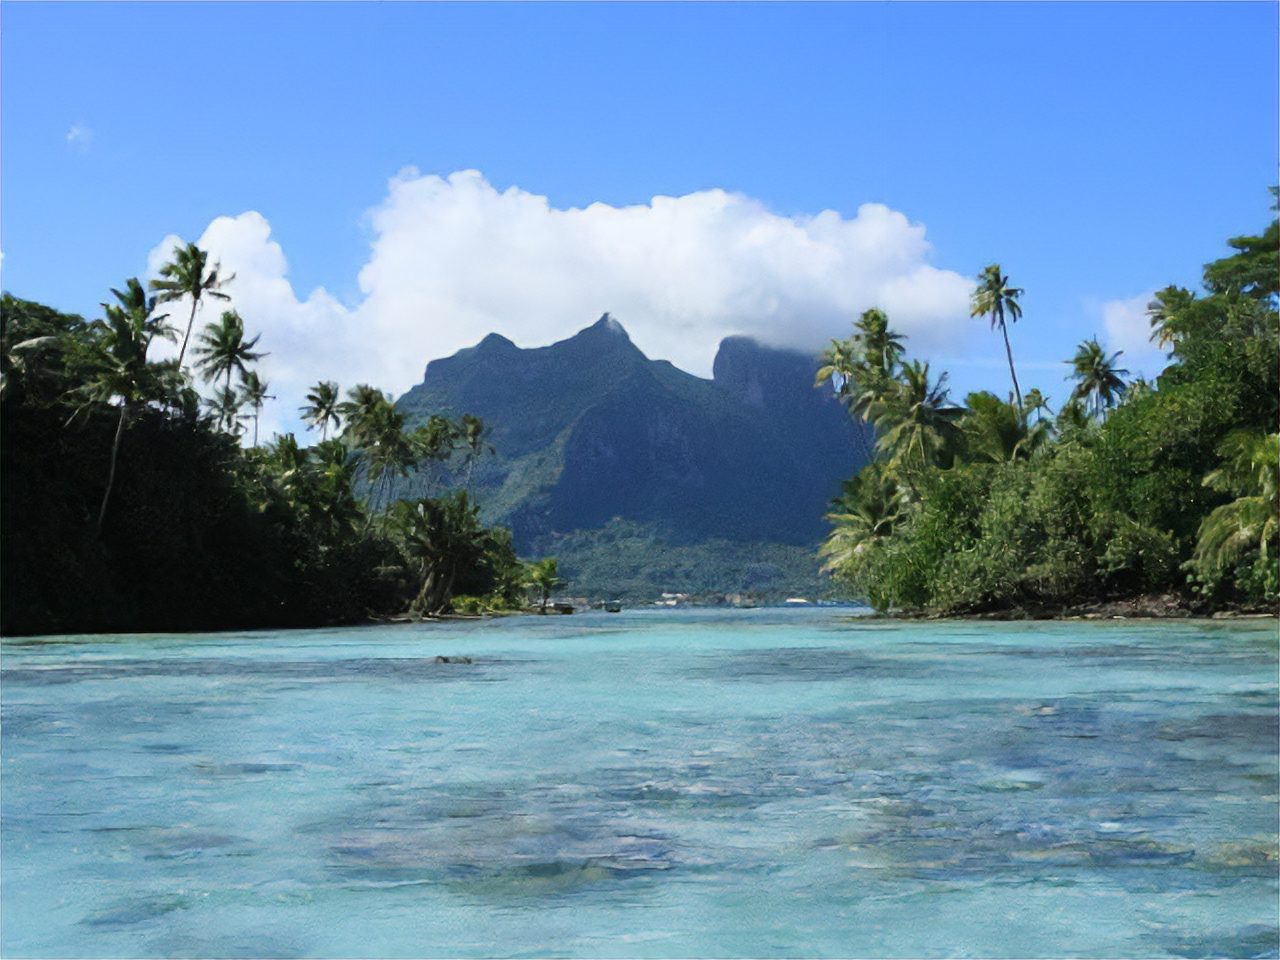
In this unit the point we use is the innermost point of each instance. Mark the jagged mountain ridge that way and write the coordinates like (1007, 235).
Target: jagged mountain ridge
(589, 428)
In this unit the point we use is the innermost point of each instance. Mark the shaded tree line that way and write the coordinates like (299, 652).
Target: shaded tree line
(1131, 487)
(130, 502)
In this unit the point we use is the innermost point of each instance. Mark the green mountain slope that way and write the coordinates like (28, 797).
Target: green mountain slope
(589, 429)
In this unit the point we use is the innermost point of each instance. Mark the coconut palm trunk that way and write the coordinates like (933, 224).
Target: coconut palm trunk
(380, 498)
(436, 589)
(187, 336)
(111, 474)
(1017, 392)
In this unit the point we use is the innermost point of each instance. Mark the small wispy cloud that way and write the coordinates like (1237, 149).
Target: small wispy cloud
(80, 136)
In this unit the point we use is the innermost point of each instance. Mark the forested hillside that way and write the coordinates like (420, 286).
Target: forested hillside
(640, 477)
(1129, 488)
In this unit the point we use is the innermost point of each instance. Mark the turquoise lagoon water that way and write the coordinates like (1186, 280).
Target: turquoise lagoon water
(709, 784)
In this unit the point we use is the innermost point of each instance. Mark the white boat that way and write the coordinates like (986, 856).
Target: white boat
(797, 602)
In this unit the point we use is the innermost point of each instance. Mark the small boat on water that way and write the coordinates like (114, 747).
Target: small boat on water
(613, 606)
(797, 602)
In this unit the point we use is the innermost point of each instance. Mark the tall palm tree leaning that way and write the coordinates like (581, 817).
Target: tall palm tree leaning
(188, 275)
(119, 369)
(254, 393)
(996, 299)
(862, 367)
(322, 408)
(1101, 382)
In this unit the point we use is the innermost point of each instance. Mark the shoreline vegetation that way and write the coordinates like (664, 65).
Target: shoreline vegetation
(1157, 498)
(130, 502)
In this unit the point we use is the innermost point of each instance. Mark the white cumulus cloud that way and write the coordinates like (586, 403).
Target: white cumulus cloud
(454, 258)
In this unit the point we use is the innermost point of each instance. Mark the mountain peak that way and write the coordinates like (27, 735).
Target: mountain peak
(765, 376)
(606, 324)
(495, 341)
(606, 336)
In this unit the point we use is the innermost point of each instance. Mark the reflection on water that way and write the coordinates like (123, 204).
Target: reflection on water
(747, 783)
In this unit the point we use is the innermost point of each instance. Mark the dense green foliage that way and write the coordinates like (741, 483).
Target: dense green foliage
(637, 562)
(1132, 488)
(128, 502)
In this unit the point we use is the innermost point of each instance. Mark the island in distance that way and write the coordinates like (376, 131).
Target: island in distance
(642, 478)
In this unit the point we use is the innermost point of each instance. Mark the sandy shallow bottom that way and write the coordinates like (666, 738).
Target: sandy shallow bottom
(712, 784)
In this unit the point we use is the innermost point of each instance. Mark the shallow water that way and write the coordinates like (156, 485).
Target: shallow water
(658, 783)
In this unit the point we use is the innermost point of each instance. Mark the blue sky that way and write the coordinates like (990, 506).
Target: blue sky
(1098, 151)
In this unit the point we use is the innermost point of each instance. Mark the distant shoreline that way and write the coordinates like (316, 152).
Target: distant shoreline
(1143, 607)
(1137, 608)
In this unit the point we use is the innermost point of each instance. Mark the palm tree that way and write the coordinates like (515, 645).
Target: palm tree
(225, 407)
(837, 365)
(287, 463)
(862, 367)
(222, 348)
(254, 393)
(117, 368)
(881, 347)
(434, 442)
(337, 472)
(1073, 419)
(439, 537)
(188, 275)
(376, 427)
(544, 575)
(361, 409)
(1100, 380)
(995, 298)
(918, 424)
(1167, 312)
(1035, 402)
(390, 454)
(322, 408)
(472, 430)
(1251, 472)
(134, 300)
(996, 431)
(864, 514)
